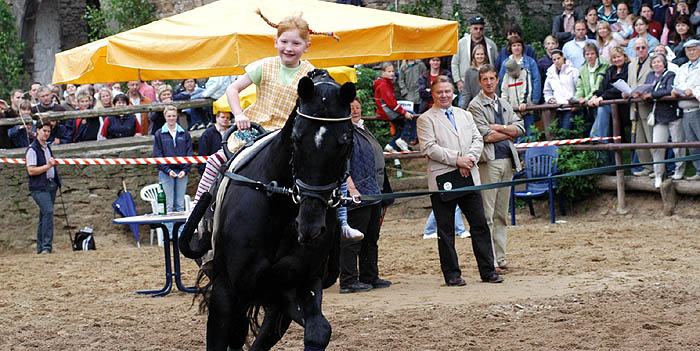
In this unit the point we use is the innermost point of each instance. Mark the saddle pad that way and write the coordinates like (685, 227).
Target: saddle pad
(241, 159)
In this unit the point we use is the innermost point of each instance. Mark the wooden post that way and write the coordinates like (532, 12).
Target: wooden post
(547, 119)
(620, 174)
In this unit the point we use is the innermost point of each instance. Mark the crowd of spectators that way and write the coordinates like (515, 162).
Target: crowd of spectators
(72, 97)
(586, 56)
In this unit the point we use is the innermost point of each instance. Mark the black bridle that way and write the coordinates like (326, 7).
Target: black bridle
(330, 194)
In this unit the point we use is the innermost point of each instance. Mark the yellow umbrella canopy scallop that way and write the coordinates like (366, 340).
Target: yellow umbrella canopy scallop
(222, 37)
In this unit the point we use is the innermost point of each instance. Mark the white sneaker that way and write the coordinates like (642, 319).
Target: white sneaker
(677, 176)
(644, 172)
(430, 236)
(402, 144)
(465, 234)
(352, 234)
(651, 175)
(389, 148)
(657, 182)
(695, 177)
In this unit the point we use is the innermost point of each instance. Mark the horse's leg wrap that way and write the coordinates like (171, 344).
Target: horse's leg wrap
(317, 329)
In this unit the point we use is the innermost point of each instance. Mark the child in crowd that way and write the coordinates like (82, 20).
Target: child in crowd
(516, 88)
(84, 129)
(389, 109)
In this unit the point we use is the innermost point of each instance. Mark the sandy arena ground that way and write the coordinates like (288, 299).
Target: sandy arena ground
(599, 281)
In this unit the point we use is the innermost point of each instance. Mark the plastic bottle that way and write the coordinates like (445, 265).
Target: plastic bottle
(162, 208)
(397, 164)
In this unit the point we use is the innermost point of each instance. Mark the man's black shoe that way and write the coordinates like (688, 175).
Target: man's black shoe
(355, 287)
(380, 283)
(493, 278)
(456, 282)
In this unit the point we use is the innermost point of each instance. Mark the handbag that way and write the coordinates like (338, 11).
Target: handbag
(651, 120)
(453, 180)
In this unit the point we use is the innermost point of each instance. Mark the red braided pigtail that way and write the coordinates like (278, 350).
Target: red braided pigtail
(312, 32)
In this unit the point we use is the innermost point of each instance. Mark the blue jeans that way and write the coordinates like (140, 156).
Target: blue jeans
(405, 130)
(431, 225)
(528, 120)
(174, 195)
(601, 125)
(45, 200)
(564, 118)
(409, 131)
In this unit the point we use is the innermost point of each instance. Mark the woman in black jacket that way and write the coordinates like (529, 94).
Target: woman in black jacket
(434, 70)
(666, 119)
(606, 91)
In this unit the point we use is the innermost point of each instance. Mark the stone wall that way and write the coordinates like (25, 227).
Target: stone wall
(88, 191)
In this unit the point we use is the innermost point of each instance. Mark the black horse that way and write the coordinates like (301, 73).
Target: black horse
(271, 250)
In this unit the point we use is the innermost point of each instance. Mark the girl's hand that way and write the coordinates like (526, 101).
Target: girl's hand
(242, 122)
(172, 174)
(181, 175)
(408, 116)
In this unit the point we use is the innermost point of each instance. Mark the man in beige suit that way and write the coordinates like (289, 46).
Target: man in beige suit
(450, 140)
(499, 126)
(639, 69)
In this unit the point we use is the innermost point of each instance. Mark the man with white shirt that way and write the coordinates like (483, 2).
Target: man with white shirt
(688, 81)
(573, 50)
(452, 143)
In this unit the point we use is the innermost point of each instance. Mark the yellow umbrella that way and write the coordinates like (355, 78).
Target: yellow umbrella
(223, 37)
(247, 96)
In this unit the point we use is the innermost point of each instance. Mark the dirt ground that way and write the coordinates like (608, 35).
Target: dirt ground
(599, 281)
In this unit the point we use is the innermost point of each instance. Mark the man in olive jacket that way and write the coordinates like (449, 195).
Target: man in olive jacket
(499, 126)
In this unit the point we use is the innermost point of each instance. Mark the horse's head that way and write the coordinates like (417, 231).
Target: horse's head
(322, 144)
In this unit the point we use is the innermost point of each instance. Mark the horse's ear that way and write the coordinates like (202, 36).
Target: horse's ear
(347, 93)
(306, 88)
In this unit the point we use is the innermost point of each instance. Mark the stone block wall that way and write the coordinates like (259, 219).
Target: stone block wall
(88, 192)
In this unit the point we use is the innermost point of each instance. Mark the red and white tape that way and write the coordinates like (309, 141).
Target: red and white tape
(203, 159)
(564, 142)
(117, 161)
(534, 144)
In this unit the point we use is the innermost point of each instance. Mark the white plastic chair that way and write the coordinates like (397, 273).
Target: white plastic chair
(150, 193)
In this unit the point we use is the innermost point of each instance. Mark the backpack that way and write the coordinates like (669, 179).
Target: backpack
(84, 240)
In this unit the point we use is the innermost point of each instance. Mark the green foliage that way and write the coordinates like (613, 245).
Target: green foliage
(11, 52)
(534, 27)
(573, 188)
(97, 23)
(365, 78)
(496, 16)
(427, 8)
(127, 14)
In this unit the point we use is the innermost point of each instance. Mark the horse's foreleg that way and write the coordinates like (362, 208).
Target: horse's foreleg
(274, 325)
(317, 330)
(226, 325)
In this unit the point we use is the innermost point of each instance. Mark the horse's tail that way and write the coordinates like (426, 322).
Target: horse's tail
(253, 321)
(191, 247)
(202, 291)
